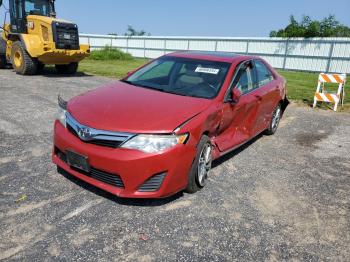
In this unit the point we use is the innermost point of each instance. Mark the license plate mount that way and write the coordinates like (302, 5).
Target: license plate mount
(78, 161)
(66, 36)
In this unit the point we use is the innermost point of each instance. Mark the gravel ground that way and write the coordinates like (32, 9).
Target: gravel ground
(278, 198)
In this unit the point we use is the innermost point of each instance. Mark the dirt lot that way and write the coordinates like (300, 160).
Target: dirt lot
(279, 198)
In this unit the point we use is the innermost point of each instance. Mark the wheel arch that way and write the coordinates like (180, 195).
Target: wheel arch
(31, 43)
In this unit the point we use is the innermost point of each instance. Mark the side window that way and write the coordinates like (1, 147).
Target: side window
(244, 83)
(264, 75)
(246, 79)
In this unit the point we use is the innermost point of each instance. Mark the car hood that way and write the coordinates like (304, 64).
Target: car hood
(126, 108)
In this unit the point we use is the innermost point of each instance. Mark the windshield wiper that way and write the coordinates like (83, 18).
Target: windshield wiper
(142, 85)
(153, 88)
(175, 93)
(126, 81)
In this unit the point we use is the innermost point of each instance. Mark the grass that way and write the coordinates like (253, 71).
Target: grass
(110, 68)
(109, 53)
(301, 85)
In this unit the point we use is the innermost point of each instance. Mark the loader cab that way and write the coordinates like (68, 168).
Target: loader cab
(20, 9)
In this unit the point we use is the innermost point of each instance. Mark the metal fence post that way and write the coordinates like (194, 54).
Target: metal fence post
(188, 44)
(247, 48)
(144, 47)
(216, 45)
(164, 47)
(285, 55)
(330, 55)
(127, 44)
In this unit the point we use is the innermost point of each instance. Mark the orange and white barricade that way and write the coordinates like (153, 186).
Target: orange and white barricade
(322, 96)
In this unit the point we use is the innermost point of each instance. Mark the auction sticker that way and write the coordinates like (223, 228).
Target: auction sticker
(207, 70)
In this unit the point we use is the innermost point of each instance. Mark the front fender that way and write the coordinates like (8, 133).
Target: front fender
(33, 44)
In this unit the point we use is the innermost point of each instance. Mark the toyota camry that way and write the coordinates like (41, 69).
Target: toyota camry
(157, 131)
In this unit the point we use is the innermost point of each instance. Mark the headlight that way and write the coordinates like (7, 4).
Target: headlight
(61, 116)
(154, 143)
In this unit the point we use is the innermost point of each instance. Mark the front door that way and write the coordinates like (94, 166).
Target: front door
(18, 17)
(239, 120)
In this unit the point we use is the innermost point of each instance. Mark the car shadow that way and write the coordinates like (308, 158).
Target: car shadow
(50, 71)
(119, 200)
(235, 152)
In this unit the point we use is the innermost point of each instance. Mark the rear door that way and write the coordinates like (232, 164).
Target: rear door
(268, 94)
(239, 119)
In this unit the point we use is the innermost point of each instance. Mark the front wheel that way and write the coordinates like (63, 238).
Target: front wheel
(275, 120)
(69, 69)
(200, 166)
(21, 61)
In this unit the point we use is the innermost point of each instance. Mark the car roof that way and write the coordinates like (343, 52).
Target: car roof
(227, 57)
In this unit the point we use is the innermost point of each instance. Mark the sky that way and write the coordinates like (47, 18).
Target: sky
(249, 18)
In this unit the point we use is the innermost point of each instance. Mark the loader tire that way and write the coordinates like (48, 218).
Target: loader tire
(22, 62)
(69, 69)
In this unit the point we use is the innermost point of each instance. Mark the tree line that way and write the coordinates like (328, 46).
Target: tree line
(327, 27)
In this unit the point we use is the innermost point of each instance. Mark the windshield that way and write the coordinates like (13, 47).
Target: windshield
(182, 76)
(39, 7)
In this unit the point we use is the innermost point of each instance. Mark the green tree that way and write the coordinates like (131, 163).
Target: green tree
(327, 27)
(132, 32)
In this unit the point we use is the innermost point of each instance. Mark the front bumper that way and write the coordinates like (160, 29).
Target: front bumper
(132, 166)
(51, 55)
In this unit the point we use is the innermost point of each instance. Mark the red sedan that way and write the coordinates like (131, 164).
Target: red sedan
(157, 131)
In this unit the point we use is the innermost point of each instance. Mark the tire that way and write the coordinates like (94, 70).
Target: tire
(69, 69)
(3, 62)
(21, 61)
(196, 179)
(275, 119)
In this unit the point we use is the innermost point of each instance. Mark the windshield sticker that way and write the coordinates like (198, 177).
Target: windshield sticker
(205, 70)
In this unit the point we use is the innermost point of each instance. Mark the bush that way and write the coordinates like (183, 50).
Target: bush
(110, 53)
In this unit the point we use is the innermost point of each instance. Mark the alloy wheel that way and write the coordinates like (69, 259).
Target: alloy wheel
(276, 118)
(18, 59)
(204, 165)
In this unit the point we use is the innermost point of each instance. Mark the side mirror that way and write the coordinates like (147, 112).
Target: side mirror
(235, 95)
(130, 73)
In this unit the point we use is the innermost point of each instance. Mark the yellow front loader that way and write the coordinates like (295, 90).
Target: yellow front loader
(34, 37)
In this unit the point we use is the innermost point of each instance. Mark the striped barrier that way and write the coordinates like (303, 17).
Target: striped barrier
(322, 96)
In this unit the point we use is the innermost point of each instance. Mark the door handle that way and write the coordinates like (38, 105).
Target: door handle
(258, 97)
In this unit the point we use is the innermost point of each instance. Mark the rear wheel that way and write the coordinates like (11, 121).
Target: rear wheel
(69, 69)
(201, 166)
(21, 61)
(275, 120)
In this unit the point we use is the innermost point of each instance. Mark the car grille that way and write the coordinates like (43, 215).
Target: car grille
(97, 137)
(105, 177)
(153, 183)
(66, 36)
(105, 143)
